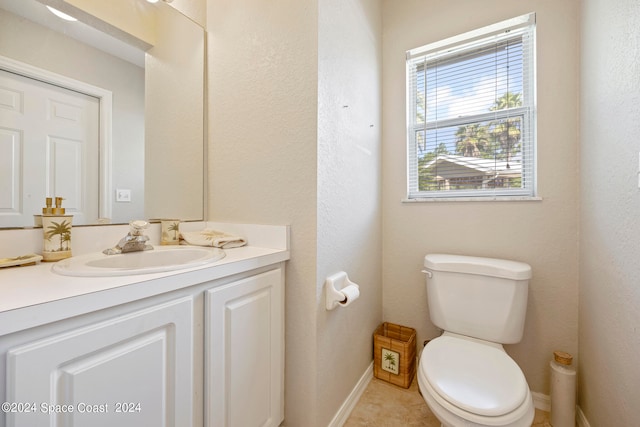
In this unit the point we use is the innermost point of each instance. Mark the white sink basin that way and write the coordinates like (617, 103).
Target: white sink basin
(161, 258)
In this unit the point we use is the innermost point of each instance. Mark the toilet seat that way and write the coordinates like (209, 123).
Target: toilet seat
(478, 378)
(472, 382)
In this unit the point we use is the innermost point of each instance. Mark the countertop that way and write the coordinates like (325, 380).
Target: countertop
(25, 290)
(35, 295)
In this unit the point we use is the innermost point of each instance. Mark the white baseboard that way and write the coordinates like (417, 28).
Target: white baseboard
(345, 410)
(541, 401)
(581, 418)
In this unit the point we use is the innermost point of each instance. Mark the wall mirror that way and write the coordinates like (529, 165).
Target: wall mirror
(92, 112)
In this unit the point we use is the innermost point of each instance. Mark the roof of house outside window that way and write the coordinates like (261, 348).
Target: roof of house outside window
(454, 166)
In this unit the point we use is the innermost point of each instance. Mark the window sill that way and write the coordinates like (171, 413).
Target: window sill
(474, 199)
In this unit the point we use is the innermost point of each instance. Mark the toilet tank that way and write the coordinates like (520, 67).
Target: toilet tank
(484, 298)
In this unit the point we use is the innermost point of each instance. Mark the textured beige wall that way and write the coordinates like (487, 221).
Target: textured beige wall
(349, 192)
(280, 75)
(543, 233)
(263, 79)
(194, 9)
(609, 374)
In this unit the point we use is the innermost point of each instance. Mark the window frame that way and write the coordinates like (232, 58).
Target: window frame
(522, 26)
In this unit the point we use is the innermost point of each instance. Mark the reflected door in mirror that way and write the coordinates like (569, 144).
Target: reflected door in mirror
(151, 119)
(49, 140)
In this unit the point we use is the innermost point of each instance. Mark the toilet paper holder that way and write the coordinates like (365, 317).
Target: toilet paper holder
(340, 291)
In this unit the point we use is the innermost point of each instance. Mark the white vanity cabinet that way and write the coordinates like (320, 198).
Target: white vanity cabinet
(134, 370)
(244, 352)
(210, 353)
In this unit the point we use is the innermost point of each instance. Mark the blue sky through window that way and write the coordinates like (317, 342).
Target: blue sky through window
(465, 84)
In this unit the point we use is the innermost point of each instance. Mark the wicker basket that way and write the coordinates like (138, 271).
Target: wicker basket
(394, 354)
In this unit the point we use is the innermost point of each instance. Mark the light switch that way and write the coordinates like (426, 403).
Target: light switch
(123, 195)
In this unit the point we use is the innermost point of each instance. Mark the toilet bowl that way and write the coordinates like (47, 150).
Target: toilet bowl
(471, 383)
(465, 375)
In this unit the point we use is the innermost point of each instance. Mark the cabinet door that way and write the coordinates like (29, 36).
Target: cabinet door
(244, 345)
(131, 371)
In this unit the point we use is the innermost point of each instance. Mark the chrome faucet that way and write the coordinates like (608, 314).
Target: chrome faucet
(134, 241)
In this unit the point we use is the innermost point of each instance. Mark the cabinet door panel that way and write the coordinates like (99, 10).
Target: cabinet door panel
(133, 370)
(138, 367)
(244, 352)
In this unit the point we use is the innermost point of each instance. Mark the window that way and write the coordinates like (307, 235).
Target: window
(471, 114)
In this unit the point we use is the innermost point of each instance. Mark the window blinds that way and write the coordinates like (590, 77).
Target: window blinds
(471, 113)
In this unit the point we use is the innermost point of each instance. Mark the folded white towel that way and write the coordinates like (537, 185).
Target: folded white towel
(209, 237)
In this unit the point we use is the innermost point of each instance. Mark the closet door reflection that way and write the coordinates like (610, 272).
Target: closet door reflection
(49, 142)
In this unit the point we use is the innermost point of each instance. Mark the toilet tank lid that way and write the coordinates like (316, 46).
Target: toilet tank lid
(493, 267)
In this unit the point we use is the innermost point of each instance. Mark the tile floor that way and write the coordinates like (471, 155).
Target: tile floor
(385, 405)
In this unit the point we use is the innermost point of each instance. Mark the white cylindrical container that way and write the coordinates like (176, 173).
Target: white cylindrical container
(563, 390)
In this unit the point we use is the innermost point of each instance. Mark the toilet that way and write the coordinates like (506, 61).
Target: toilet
(465, 375)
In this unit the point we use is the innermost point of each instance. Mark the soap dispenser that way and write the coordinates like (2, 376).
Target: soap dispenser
(56, 227)
(47, 210)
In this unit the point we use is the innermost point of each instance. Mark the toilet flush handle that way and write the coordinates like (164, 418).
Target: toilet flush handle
(428, 273)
